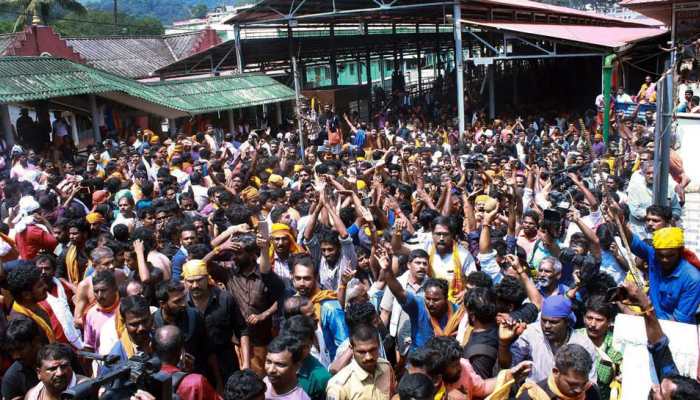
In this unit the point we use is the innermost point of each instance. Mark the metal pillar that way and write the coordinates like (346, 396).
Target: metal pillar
(368, 68)
(381, 70)
(437, 53)
(662, 138)
(297, 90)
(231, 120)
(239, 52)
(418, 59)
(607, 83)
(334, 63)
(172, 127)
(395, 50)
(492, 90)
(459, 63)
(94, 112)
(7, 130)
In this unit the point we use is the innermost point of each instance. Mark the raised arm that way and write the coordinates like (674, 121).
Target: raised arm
(388, 276)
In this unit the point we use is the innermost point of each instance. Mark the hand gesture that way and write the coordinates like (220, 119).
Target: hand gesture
(383, 259)
(508, 332)
(514, 261)
(347, 275)
(490, 216)
(521, 370)
(138, 246)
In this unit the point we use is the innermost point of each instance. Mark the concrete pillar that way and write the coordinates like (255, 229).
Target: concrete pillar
(7, 131)
(492, 90)
(278, 112)
(95, 113)
(172, 127)
(231, 120)
(74, 129)
(239, 49)
(459, 64)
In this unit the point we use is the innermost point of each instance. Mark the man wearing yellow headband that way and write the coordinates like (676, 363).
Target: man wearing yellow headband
(674, 283)
(282, 245)
(222, 318)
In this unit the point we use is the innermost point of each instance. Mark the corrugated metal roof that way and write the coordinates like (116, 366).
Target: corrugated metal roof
(226, 92)
(35, 78)
(181, 44)
(5, 40)
(603, 36)
(132, 57)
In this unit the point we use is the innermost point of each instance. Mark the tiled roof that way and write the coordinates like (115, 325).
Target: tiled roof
(25, 79)
(131, 57)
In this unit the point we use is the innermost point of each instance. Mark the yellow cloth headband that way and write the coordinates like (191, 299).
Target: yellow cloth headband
(194, 268)
(668, 238)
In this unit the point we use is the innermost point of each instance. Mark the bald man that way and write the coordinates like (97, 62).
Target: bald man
(168, 345)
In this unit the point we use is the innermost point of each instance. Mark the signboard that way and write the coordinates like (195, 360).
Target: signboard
(686, 18)
(638, 374)
(483, 60)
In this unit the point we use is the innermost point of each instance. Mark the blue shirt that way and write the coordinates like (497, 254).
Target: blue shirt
(675, 296)
(360, 137)
(179, 259)
(421, 327)
(333, 326)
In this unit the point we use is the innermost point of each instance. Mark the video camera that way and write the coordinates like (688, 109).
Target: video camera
(139, 372)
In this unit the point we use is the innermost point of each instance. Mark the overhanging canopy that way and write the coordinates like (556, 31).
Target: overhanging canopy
(224, 93)
(24, 79)
(611, 37)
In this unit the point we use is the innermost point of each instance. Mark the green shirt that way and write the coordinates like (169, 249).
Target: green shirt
(313, 378)
(607, 370)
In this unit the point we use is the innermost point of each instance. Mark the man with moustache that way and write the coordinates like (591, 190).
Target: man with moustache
(367, 376)
(322, 305)
(172, 299)
(55, 373)
(541, 339)
(222, 318)
(412, 280)
(282, 362)
(447, 259)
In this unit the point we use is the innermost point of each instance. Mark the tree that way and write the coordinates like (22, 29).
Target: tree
(199, 10)
(41, 8)
(101, 23)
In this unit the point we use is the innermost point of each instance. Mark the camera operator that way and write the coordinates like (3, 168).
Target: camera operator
(55, 373)
(135, 335)
(169, 346)
(583, 253)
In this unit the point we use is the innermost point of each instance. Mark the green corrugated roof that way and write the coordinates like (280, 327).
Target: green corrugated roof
(35, 78)
(225, 92)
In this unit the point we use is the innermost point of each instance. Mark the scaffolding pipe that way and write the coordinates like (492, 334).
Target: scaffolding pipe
(459, 63)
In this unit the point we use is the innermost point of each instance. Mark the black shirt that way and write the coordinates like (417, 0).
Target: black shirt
(193, 330)
(222, 318)
(482, 351)
(17, 380)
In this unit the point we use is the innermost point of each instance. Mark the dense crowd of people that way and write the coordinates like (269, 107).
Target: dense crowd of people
(389, 258)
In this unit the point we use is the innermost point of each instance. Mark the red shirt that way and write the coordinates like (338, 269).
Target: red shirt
(33, 239)
(192, 386)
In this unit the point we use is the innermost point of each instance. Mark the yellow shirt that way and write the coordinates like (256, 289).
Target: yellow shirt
(354, 383)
